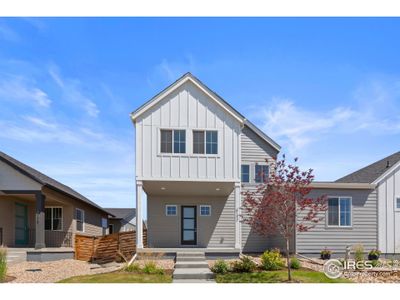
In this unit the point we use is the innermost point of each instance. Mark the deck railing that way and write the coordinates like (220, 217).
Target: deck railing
(52, 238)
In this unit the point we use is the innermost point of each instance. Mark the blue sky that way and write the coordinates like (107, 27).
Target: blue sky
(327, 90)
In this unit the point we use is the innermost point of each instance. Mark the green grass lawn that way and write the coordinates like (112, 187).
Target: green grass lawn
(304, 276)
(120, 277)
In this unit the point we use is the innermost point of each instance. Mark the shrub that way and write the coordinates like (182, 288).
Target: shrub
(150, 267)
(326, 254)
(374, 254)
(295, 263)
(3, 264)
(220, 267)
(244, 265)
(358, 252)
(272, 260)
(134, 268)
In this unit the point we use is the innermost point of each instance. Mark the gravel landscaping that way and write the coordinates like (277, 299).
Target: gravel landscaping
(47, 272)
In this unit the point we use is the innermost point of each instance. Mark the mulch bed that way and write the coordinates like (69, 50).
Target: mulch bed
(8, 279)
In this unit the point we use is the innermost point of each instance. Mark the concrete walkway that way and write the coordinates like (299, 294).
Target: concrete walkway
(192, 267)
(16, 255)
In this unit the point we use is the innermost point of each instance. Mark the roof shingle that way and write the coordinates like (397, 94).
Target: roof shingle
(373, 171)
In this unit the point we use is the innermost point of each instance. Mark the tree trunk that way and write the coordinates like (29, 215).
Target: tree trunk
(288, 260)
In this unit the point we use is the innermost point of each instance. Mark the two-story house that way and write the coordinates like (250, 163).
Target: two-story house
(196, 154)
(193, 151)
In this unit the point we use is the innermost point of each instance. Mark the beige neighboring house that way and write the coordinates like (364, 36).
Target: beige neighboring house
(38, 211)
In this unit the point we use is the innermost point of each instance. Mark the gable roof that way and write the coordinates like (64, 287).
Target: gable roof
(374, 171)
(45, 180)
(122, 213)
(213, 95)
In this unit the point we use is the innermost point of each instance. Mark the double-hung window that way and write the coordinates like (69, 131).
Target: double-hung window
(173, 141)
(80, 220)
(53, 218)
(339, 211)
(245, 173)
(261, 173)
(205, 141)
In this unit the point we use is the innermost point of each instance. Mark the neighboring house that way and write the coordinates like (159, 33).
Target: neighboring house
(124, 219)
(195, 155)
(38, 211)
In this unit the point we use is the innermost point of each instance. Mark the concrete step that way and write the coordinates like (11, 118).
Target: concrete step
(189, 254)
(191, 264)
(194, 273)
(193, 281)
(192, 258)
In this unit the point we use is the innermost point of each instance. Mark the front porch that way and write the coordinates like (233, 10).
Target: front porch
(190, 216)
(24, 222)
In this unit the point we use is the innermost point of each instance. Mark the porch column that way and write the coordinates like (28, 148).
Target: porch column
(39, 228)
(238, 244)
(139, 219)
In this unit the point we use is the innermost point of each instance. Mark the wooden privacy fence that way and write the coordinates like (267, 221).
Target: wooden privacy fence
(106, 248)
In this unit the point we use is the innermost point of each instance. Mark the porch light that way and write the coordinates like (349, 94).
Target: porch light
(163, 188)
(217, 189)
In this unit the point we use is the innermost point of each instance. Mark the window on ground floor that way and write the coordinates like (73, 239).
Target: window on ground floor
(339, 211)
(80, 220)
(398, 203)
(53, 218)
(170, 210)
(205, 210)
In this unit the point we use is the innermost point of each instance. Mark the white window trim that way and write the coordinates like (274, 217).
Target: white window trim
(166, 210)
(351, 213)
(173, 133)
(395, 203)
(205, 142)
(209, 206)
(249, 165)
(62, 217)
(76, 220)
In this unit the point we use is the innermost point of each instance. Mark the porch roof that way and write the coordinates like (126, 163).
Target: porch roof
(45, 180)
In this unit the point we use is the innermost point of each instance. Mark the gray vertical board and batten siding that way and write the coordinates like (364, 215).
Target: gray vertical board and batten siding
(215, 231)
(364, 229)
(255, 150)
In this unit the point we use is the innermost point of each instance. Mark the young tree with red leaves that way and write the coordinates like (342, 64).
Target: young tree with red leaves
(273, 207)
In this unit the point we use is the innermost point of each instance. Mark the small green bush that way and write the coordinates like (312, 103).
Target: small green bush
(295, 263)
(151, 268)
(134, 268)
(220, 267)
(244, 265)
(272, 260)
(3, 264)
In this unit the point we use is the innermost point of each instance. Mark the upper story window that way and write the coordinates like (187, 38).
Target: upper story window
(398, 203)
(245, 173)
(173, 141)
(205, 142)
(339, 211)
(261, 173)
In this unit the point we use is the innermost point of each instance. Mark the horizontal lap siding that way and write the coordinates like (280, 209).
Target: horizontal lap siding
(216, 231)
(253, 150)
(364, 220)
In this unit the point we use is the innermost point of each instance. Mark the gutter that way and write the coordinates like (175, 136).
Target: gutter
(342, 185)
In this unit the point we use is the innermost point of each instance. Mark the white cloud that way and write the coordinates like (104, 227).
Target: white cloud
(375, 109)
(18, 88)
(71, 91)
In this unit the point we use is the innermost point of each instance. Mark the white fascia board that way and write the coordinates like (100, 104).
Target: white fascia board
(388, 171)
(175, 86)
